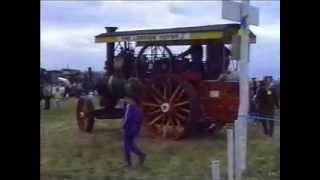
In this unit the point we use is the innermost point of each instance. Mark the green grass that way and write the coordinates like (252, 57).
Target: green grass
(67, 153)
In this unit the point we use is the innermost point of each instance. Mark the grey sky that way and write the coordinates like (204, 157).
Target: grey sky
(68, 28)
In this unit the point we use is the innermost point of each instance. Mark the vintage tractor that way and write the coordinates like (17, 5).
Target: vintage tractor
(175, 102)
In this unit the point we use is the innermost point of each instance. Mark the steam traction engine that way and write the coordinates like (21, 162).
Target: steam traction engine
(174, 104)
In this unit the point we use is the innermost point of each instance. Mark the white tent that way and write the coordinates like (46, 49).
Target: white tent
(65, 81)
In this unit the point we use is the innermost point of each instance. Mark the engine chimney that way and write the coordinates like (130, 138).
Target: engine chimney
(110, 51)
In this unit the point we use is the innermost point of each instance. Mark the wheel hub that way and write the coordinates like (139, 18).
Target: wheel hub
(82, 114)
(165, 107)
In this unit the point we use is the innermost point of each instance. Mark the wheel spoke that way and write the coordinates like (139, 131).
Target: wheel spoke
(156, 99)
(177, 121)
(151, 104)
(181, 103)
(156, 119)
(181, 117)
(184, 110)
(165, 92)
(155, 112)
(180, 95)
(165, 129)
(156, 91)
(174, 93)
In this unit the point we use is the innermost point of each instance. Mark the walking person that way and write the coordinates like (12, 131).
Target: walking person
(266, 100)
(132, 122)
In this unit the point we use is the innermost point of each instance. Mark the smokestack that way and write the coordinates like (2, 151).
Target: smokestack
(110, 29)
(110, 50)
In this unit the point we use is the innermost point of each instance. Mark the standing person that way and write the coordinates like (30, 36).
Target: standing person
(79, 89)
(253, 92)
(266, 100)
(56, 95)
(194, 73)
(73, 90)
(254, 86)
(196, 52)
(67, 92)
(59, 95)
(133, 121)
(277, 88)
(47, 94)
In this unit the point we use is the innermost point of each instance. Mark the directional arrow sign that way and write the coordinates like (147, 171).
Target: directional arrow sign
(232, 11)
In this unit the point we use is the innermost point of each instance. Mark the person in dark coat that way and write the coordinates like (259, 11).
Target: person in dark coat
(195, 69)
(266, 100)
(253, 92)
(133, 121)
(196, 52)
(67, 92)
(254, 86)
(227, 54)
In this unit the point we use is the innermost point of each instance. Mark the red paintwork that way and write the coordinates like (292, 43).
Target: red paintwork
(223, 109)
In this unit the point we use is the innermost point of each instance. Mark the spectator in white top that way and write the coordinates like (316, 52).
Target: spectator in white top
(59, 95)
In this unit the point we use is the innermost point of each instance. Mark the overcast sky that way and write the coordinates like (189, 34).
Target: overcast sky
(68, 29)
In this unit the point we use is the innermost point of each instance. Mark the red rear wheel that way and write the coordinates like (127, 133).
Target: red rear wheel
(168, 107)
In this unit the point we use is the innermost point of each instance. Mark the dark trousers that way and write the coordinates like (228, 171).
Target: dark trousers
(47, 102)
(253, 111)
(268, 125)
(130, 146)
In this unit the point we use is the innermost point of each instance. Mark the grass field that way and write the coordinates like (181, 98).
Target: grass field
(67, 153)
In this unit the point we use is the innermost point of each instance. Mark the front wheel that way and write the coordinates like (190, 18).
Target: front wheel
(84, 114)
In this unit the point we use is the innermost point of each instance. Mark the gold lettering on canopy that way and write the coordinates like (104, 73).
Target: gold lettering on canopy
(172, 36)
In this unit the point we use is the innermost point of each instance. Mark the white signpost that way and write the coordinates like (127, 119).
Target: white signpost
(230, 149)
(247, 15)
(215, 168)
(232, 11)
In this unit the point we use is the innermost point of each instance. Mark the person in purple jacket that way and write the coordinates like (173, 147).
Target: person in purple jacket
(132, 122)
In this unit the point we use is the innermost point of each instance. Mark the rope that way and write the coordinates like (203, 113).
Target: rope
(260, 118)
